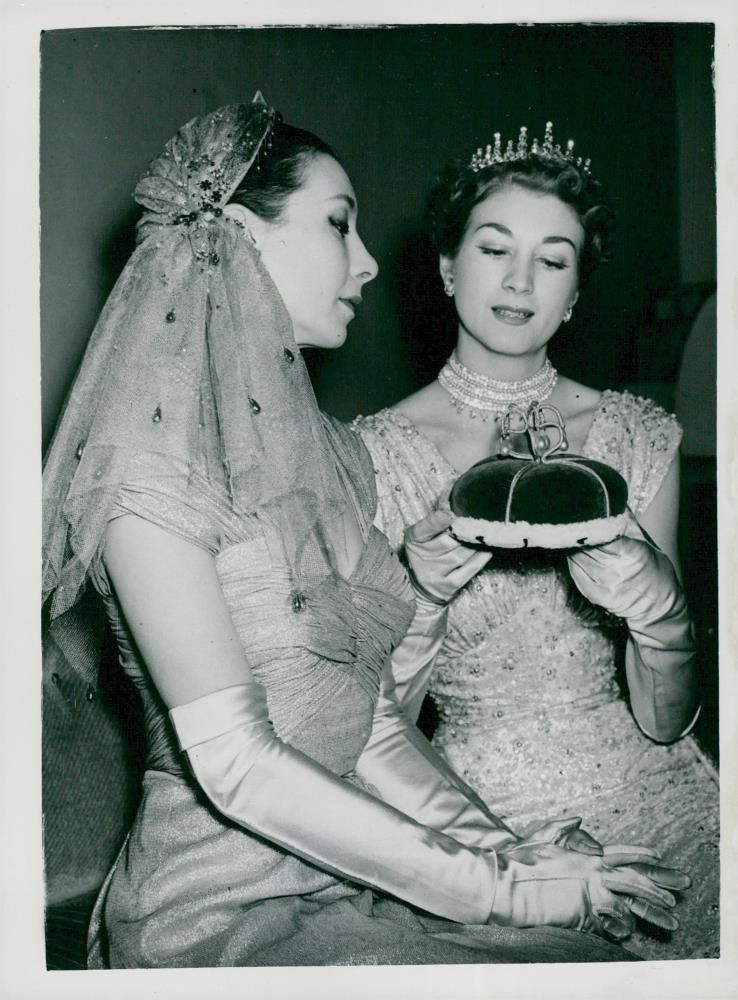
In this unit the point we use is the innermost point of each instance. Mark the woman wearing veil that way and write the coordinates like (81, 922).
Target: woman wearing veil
(290, 815)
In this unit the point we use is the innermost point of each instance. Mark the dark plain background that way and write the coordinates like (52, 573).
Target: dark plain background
(397, 103)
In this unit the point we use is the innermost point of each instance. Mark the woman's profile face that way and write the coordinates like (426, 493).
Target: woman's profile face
(315, 255)
(515, 272)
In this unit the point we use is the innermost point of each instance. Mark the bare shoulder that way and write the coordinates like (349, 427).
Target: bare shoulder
(578, 404)
(427, 408)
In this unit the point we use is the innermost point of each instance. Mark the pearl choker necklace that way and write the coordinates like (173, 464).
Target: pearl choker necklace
(481, 394)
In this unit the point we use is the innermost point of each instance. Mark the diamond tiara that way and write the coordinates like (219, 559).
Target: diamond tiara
(493, 153)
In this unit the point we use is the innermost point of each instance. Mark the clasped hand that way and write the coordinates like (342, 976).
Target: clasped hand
(559, 875)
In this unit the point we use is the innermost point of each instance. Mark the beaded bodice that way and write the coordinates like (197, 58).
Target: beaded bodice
(527, 684)
(524, 658)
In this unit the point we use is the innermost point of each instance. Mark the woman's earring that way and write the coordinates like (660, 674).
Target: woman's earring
(448, 287)
(568, 314)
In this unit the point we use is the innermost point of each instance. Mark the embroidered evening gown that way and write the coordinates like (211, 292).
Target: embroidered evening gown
(192, 889)
(531, 713)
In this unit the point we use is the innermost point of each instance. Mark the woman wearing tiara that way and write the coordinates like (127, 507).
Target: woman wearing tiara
(524, 679)
(289, 815)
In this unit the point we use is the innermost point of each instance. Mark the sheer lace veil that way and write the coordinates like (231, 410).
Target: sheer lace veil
(191, 365)
(192, 362)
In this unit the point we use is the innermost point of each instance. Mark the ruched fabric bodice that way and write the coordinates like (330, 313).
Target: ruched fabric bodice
(312, 650)
(320, 652)
(527, 681)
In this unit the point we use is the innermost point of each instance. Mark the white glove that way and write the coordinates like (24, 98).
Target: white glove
(539, 883)
(633, 579)
(411, 775)
(439, 565)
(642, 860)
(412, 659)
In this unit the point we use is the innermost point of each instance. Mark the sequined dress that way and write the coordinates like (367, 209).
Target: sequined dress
(531, 711)
(191, 889)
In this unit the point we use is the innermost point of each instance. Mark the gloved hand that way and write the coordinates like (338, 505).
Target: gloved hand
(438, 567)
(642, 860)
(565, 832)
(633, 579)
(544, 884)
(438, 564)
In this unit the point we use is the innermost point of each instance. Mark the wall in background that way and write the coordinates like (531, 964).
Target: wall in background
(695, 154)
(396, 103)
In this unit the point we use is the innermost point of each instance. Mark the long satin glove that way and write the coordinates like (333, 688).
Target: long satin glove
(438, 564)
(438, 567)
(267, 787)
(270, 788)
(412, 659)
(633, 579)
(411, 775)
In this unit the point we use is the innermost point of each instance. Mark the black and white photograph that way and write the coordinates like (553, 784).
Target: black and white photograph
(379, 464)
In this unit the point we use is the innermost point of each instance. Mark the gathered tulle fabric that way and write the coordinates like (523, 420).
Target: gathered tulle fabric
(192, 370)
(192, 363)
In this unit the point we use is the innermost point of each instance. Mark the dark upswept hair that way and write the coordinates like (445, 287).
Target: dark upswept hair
(458, 189)
(279, 170)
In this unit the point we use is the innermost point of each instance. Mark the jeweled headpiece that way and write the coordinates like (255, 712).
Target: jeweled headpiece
(493, 153)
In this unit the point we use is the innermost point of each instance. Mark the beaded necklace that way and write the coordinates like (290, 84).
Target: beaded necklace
(480, 394)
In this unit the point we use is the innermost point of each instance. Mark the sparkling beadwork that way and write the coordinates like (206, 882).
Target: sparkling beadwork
(255, 408)
(469, 390)
(288, 355)
(90, 693)
(157, 415)
(299, 601)
(80, 450)
(171, 316)
(589, 722)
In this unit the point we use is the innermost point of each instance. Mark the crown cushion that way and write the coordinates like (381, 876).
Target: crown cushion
(566, 502)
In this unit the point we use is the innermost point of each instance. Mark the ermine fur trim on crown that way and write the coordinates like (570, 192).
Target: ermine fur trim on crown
(522, 534)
